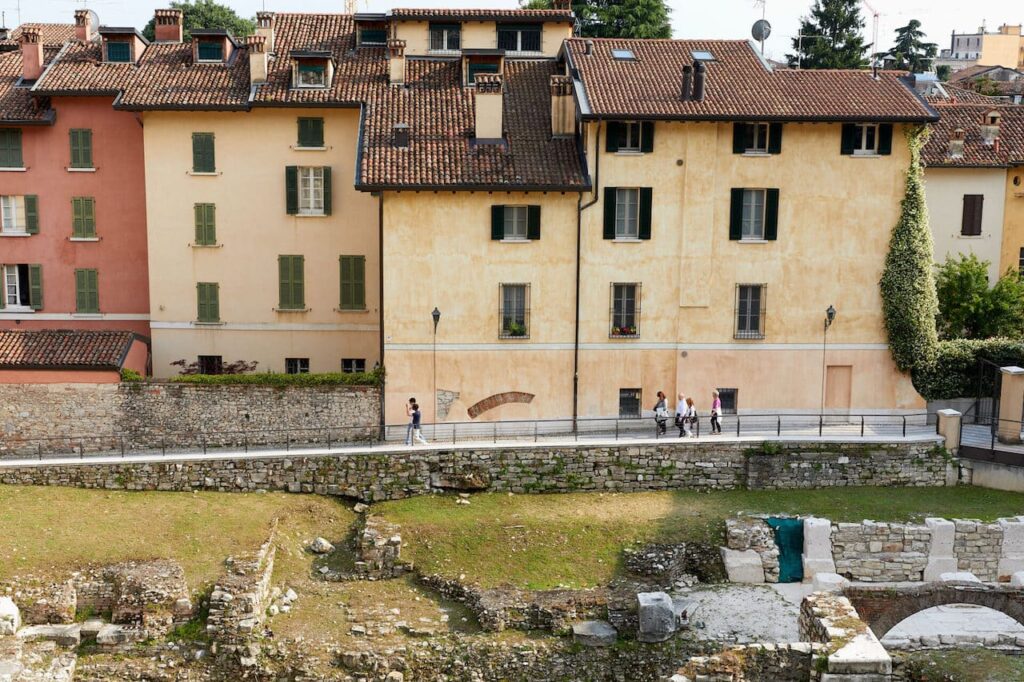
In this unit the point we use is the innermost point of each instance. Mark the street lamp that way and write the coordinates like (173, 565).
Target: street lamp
(830, 316)
(436, 314)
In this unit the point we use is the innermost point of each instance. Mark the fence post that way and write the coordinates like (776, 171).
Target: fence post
(821, 424)
(737, 425)
(904, 426)
(81, 449)
(328, 438)
(862, 426)
(495, 431)
(121, 438)
(535, 424)
(204, 443)
(778, 427)
(39, 447)
(698, 428)
(616, 430)
(245, 438)
(453, 433)
(287, 440)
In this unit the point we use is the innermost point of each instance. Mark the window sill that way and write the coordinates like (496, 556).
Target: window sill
(445, 53)
(202, 174)
(523, 53)
(753, 241)
(866, 155)
(628, 240)
(358, 311)
(623, 336)
(205, 246)
(20, 309)
(83, 239)
(629, 152)
(312, 215)
(514, 338)
(15, 234)
(749, 338)
(292, 310)
(971, 236)
(12, 169)
(87, 316)
(756, 154)
(309, 149)
(90, 169)
(515, 241)
(197, 323)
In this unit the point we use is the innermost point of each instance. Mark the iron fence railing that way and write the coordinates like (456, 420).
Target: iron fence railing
(993, 440)
(767, 426)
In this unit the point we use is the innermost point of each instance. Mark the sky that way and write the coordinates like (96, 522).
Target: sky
(730, 19)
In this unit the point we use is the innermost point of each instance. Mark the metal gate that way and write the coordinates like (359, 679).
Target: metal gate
(986, 402)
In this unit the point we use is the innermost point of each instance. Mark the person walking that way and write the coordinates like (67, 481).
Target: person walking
(716, 412)
(661, 413)
(690, 419)
(680, 414)
(417, 434)
(408, 413)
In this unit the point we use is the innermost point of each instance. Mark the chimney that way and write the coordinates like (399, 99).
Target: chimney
(699, 75)
(401, 135)
(588, 47)
(489, 124)
(168, 25)
(563, 114)
(31, 53)
(396, 61)
(956, 143)
(989, 128)
(265, 28)
(257, 59)
(5, 33)
(687, 82)
(84, 30)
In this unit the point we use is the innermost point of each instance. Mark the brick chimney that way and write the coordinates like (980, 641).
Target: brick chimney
(84, 30)
(563, 114)
(257, 59)
(489, 124)
(396, 61)
(956, 143)
(168, 26)
(31, 53)
(265, 28)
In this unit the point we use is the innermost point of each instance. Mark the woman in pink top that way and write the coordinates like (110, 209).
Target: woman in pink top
(716, 412)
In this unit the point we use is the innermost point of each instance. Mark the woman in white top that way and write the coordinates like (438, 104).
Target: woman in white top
(680, 413)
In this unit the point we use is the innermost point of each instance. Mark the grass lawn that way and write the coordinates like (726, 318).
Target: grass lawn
(50, 531)
(542, 541)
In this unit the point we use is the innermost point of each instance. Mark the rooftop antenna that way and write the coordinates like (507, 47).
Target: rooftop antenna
(761, 28)
(874, 39)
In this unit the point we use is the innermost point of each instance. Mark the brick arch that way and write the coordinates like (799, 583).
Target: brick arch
(883, 608)
(498, 399)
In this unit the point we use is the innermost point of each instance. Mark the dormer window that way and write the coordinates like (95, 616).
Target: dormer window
(121, 45)
(119, 51)
(311, 69)
(212, 45)
(519, 38)
(445, 37)
(371, 30)
(480, 61)
(312, 76)
(209, 51)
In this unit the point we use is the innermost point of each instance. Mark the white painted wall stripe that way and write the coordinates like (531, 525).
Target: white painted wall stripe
(631, 346)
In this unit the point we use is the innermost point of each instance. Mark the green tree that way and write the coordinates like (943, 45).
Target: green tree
(969, 309)
(206, 14)
(835, 41)
(617, 18)
(910, 52)
(909, 303)
(943, 72)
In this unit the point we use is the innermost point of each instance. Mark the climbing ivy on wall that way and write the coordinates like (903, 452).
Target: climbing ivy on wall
(909, 302)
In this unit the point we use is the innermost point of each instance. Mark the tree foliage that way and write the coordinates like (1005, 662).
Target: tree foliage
(910, 52)
(970, 309)
(943, 72)
(909, 302)
(617, 18)
(838, 43)
(955, 374)
(206, 14)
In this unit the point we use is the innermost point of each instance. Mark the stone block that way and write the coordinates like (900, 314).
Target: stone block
(817, 555)
(829, 582)
(863, 655)
(657, 617)
(959, 577)
(91, 628)
(1011, 556)
(1017, 579)
(594, 633)
(10, 616)
(113, 635)
(743, 566)
(64, 635)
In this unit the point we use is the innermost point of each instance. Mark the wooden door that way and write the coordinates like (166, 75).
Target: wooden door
(838, 386)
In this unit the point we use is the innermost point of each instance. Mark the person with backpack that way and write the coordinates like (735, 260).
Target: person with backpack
(417, 434)
(690, 419)
(661, 413)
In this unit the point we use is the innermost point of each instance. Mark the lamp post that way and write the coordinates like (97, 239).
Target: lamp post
(436, 314)
(830, 316)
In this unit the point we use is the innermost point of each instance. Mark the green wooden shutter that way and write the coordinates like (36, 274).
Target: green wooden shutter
(533, 222)
(613, 130)
(284, 282)
(849, 141)
(497, 222)
(775, 138)
(298, 281)
(645, 213)
(89, 216)
(10, 148)
(81, 148)
(203, 160)
(327, 190)
(311, 132)
(292, 285)
(739, 142)
(291, 189)
(353, 282)
(32, 214)
(206, 224)
(208, 302)
(609, 212)
(87, 298)
(885, 139)
(736, 214)
(77, 217)
(647, 137)
(771, 214)
(35, 286)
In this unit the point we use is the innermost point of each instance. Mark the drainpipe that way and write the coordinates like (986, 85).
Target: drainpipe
(380, 303)
(580, 207)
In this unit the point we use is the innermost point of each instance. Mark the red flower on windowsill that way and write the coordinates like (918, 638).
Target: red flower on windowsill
(624, 331)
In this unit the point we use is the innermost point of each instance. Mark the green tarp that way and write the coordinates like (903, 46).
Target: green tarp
(789, 536)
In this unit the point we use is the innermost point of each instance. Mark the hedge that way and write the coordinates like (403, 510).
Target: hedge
(954, 374)
(373, 378)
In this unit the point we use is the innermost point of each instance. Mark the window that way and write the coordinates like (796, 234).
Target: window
(9, 211)
(10, 148)
(206, 224)
(22, 287)
(625, 310)
(291, 282)
(750, 300)
(629, 140)
(867, 139)
(211, 364)
(629, 403)
(12, 286)
(312, 76)
(202, 153)
(519, 38)
(353, 365)
(311, 132)
(311, 190)
(475, 68)
(210, 51)
(119, 51)
(753, 214)
(81, 148)
(445, 37)
(208, 302)
(83, 218)
(728, 396)
(756, 137)
(296, 365)
(702, 56)
(630, 136)
(515, 222)
(623, 55)
(970, 226)
(515, 311)
(353, 282)
(627, 223)
(87, 296)
(373, 36)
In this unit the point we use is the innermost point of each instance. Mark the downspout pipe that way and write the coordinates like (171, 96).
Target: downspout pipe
(380, 305)
(580, 207)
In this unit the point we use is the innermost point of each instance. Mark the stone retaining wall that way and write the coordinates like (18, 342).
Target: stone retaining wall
(775, 662)
(54, 418)
(239, 600)
(881, 552)
(532, 468)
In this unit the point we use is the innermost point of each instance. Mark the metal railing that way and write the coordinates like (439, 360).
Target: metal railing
(235, 442)
(993, 440)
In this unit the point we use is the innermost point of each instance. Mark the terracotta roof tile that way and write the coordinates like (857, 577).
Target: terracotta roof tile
(167, 78)
(81, 70)
(738, 85)
(413, 14)
(16, 103)
(53, 35)
(956, 95)
(64, 349)
(1010, 150)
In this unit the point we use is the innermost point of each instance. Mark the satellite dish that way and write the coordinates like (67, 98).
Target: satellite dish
(761, 30)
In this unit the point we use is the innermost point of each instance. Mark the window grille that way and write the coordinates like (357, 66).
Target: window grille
(625, 310)
(750, 311)
(514, 311)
